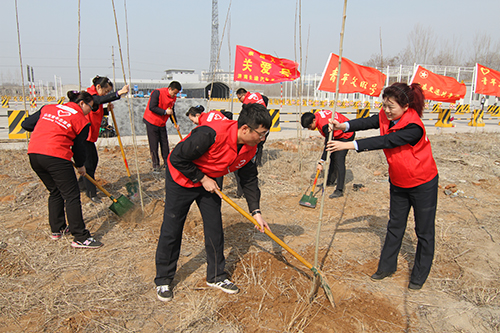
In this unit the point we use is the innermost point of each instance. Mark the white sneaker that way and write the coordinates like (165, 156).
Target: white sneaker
(226, 286)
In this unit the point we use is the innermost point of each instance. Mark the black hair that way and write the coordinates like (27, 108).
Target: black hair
(76, 96)
(254, 115)
(194, 110)
(241, 91)
(103, 81)
(175, 85)
(307, 119)
(413, 95)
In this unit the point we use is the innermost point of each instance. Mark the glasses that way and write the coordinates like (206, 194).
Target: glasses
(261, 135)
(90, 106)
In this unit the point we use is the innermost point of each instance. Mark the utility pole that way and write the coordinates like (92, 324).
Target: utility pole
(214, 62)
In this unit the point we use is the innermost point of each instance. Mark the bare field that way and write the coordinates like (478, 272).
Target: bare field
(47, 286)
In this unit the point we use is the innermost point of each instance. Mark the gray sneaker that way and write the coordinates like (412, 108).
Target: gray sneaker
(89, 243)
(226, 286)
(164, 293)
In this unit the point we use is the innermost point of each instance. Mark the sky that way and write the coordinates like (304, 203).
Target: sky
(177, 34)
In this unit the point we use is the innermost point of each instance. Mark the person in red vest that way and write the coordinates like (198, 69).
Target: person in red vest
(59, 134)
(413, 175)
(336, 171)
(212, 150)
(101, 91)
(160, 107)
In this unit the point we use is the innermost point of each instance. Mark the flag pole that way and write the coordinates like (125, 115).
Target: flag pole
(316, 282)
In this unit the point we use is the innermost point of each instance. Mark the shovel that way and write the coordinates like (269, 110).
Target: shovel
(132, 186)
(315, 271)
(175, 124)
(310, 200)
(119, 206)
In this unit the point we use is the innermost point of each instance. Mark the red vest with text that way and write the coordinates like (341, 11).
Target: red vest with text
(164, 102)
(409, 166)
(254, 98)
(322, 117)
(222, 157)
(95, 118)
(57, 129)
(209, 116)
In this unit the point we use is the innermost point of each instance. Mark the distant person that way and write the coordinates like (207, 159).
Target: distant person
(159, 109)
(247, 97)
(483, 101)
(211, 150)
(59, 135)
(336, 171)
(413, 175)
(101, 91)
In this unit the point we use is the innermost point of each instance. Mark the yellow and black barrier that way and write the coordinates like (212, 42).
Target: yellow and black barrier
(275, 120)
(363, 113)
(16, 117)
(61, 100)
(494, 110)
(444, 118)
(5, 103)
(33, 102)
(463, 109)
(436, 108)
(477, 118)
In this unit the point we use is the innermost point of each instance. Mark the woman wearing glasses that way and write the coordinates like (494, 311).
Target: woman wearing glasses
(413, 175)
(59, 134)
(101, 92)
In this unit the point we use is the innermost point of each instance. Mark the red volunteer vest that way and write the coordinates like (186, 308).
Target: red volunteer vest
(164, 102)
(409, 166)
(95, 118)
(209, 116)
(253, 98)
(322, 117)
(222, 157)
(56, 130)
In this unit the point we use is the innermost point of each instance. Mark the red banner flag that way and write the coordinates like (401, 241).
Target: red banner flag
(353, 77)
(438, 87)
(255, 67)
(487, 81)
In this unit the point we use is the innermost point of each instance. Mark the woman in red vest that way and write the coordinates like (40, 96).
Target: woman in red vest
(60, 135)
(101, 92)
(413, 175)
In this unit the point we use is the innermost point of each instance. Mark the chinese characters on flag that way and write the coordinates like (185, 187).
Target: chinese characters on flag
(254, 67)
(438, 87)
(487, 81)
(353, 77)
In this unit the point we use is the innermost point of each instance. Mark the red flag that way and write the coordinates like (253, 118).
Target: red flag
(254, 67)
(487, 81)
(353, 77)
(438, 87)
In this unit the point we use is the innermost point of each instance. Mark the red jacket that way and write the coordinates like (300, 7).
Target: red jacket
(409, 166)
(164, 102)
(222, 157)
(95, 118)
(56, 130)
(254, 98)
(322, 117)
(209, 116)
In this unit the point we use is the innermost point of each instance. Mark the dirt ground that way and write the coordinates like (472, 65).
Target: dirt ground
(47, 286)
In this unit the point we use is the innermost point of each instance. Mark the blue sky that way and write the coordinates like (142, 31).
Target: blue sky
(177, 34)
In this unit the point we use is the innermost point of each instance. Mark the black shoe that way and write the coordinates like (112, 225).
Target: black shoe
(414, 286)
(164, 293)
(89, 243)
(96, 199)
(226, 286)
(336, 194)
(379, 275)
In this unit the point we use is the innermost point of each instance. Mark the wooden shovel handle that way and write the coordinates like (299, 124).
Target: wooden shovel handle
(315, 180)
(175, 123)
(266, 231)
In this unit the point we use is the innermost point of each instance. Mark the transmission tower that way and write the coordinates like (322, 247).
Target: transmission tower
(214, 47)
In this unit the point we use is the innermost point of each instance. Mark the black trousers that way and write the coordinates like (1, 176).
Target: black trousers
(178, 200)
(90, 166)
(58, 176)
(157, 135)
(336, 171)
(423, 199)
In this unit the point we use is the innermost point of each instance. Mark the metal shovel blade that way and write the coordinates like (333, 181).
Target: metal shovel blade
(121, 206)
(308, 201)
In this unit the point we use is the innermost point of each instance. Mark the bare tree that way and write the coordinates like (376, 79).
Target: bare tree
(421, 44)
(484, 51)
(449, 53)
